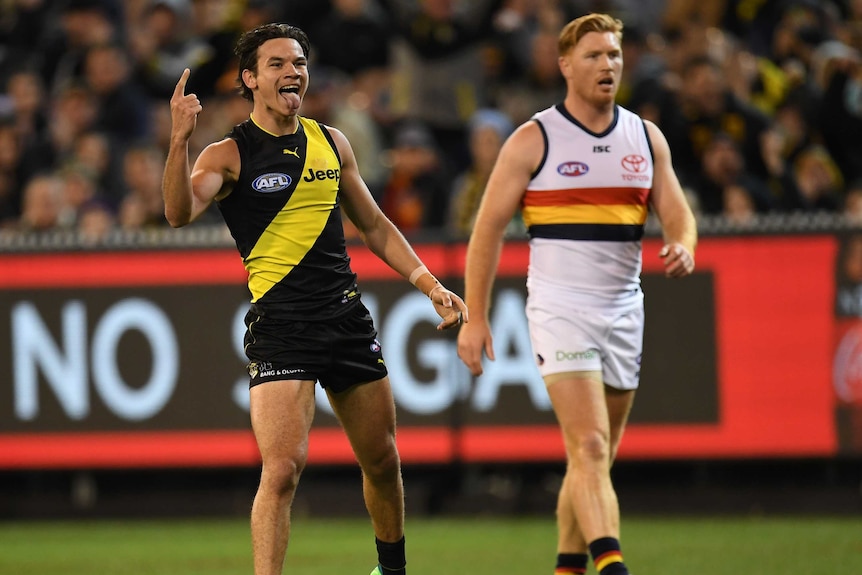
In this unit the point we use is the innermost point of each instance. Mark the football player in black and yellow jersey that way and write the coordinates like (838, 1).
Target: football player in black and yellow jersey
(280, 181)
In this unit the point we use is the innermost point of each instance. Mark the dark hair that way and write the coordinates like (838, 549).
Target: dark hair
(249, 42)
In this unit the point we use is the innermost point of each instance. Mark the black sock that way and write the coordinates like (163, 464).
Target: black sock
(571, 564)
(391, 557)
(607, 556)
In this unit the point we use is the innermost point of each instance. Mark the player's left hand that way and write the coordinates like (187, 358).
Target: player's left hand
(678, 261)
(449, 306)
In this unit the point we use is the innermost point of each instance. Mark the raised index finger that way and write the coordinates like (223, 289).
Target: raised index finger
(180, 90)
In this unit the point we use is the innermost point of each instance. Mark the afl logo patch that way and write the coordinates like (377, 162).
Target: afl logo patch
(573, 169)
(269, 183)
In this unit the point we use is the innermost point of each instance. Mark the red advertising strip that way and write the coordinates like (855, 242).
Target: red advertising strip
(121, 269)
(186, 267)
(196, 449)
(774, 321)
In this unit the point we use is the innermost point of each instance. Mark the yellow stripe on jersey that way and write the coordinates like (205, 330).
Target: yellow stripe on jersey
(296, 228)
(585, 214)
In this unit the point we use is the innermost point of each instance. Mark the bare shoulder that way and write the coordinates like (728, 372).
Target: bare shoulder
(527, 135)
(221, 157)
(525, 147)
(216, 170)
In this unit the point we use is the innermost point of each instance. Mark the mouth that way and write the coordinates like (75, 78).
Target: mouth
(292, 89)
(608, 82)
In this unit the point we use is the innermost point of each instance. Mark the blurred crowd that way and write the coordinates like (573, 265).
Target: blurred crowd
(761, 100)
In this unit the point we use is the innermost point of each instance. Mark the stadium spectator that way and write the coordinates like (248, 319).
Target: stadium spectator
(819, 182)
(852, 208)
(163, 44)
(416, 192)
(489, 128)
(23, 24)
(96, 220)
(27, 97)
(839, 71)
(72, 114)
(92, 150)
(79, 189)
(540, 85)
(439, 75)
(364, 56)
(739, 207)
(11, 178)
(216, 24)
(122, 107)
(706, 107)
(41, 204)
(142, 204)
(364, 35)
(82, 25)
(722, 169)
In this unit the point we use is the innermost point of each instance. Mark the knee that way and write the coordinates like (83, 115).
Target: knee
(383, 467)
(282, 474)
(592, 448)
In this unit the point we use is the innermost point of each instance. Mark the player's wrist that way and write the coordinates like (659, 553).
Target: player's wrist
(424, 280)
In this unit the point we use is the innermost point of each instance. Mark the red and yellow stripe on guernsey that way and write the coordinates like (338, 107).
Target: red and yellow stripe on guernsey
(606, 559)
(616, 206)
(569, 571)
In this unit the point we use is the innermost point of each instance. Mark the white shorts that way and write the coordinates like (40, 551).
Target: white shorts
(610, 342)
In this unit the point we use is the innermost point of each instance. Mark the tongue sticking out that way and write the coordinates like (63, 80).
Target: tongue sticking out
(291, 98)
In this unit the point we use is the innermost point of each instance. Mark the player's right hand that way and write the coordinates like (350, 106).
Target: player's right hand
(474, 338)
(184, 109)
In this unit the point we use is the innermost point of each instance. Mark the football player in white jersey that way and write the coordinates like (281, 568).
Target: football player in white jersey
(585, 173)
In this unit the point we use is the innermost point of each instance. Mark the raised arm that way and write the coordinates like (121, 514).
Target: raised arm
(385, 240)
(518, 158)
(188, 193)
(679, 228)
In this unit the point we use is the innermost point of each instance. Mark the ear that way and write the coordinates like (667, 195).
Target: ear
(563, 63)
(249, 78)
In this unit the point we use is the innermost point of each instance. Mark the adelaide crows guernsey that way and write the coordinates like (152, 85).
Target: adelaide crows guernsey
(586, 206)
(285, 217)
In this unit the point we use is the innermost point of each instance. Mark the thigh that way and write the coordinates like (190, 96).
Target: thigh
(578, 399)
(619, 403)
(367, 414)
(281, 416)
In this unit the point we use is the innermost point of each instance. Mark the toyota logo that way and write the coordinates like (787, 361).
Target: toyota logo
(634, 163)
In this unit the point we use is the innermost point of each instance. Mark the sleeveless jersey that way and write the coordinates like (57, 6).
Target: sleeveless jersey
(285, 217)
(585, 209)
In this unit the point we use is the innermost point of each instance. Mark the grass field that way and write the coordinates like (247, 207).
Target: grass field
(486, 546)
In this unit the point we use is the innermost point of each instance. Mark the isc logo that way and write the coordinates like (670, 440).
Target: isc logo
(268, 183)
(573, 169)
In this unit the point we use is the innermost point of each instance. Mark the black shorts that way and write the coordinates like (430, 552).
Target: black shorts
(338, 353)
